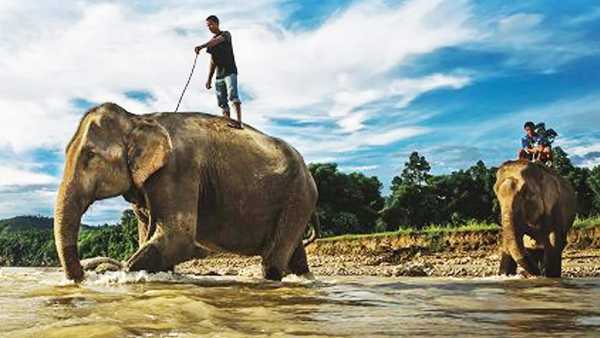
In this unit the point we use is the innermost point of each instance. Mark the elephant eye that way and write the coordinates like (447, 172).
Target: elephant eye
(87, 154)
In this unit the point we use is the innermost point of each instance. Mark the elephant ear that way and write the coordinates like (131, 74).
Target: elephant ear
(148, 150)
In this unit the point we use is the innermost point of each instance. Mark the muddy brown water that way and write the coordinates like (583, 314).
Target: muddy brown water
(37, 302)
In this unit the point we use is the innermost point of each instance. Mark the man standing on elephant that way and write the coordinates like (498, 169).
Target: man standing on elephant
(223, 62)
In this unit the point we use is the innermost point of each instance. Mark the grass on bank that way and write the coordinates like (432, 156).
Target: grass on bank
(435, 229)
(587, 223)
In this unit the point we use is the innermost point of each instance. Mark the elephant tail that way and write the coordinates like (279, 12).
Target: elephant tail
(315, 229)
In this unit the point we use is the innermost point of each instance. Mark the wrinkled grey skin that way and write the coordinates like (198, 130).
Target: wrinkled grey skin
(195, 184)
(539, 203)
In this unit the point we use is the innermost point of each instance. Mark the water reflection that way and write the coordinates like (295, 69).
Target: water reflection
(39, 303)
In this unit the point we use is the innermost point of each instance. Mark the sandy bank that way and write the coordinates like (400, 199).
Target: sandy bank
(440, 254)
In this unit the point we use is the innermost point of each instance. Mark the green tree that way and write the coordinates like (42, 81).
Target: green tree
(465, 195)
(412, 201)
(593, 182)
(348, 203)
(415, 172)
(117, 241)
(578, 177)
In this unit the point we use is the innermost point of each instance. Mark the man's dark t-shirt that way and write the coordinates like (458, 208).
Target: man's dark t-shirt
(222, 55)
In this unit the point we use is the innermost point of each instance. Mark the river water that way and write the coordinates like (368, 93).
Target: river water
(37, 302)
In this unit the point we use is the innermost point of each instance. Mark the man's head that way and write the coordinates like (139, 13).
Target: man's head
(212, 22)
(529, 128)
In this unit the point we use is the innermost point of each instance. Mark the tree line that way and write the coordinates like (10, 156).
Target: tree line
(34, 246)
(349, 203)
(353, 203)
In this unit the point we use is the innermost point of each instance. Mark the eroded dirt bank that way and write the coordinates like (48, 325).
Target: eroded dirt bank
(458, 254)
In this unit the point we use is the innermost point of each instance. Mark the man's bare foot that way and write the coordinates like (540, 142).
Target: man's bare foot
(235, 124)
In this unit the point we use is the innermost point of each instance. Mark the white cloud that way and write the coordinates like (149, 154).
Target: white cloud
(529, 41)
(52, 52)
(98, 50)
(514, 25)
(105, 211)
(339, 77)
(589, 15)
(361, 168)
(583, 150)
(26, 202)
(10, 177)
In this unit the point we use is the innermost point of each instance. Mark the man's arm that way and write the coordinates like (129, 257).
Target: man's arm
(525, 144)
(211, 72)
(213, 42)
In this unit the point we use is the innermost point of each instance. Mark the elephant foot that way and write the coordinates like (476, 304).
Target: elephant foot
(298, 264)
(148, 258)
(529, 266)
(101, 264)
(308, 276)
(272, 273)
(508, 266)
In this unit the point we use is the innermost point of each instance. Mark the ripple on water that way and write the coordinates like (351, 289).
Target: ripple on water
(39, 303)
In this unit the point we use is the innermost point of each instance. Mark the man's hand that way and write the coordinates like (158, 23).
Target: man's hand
(198, 49)
(208, 84)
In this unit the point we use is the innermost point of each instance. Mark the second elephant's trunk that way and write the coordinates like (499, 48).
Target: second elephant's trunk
(512, 239)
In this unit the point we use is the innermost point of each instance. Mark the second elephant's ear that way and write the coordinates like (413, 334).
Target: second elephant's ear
(148, 149)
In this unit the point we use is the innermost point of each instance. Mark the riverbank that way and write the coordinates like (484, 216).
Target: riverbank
(469, 253)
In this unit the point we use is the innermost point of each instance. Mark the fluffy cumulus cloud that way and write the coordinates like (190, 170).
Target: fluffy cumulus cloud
(332, 90)
(58, 57)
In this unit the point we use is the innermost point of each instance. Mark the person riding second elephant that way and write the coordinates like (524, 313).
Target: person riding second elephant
(534, 147)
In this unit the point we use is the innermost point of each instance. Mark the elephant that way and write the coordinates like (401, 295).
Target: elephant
(196, 186)
(537, 205)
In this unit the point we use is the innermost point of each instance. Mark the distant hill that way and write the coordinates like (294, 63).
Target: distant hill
(28, 223)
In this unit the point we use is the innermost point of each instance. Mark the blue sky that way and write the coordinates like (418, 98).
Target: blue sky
(361, 83)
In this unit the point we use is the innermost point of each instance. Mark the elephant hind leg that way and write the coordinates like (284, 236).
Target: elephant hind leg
(286, 239)
(298, 264)
(508, 266)
(552, 263)
(275, 263)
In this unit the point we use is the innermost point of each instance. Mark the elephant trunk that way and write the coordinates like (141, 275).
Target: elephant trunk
(67, 218)
(512, 239)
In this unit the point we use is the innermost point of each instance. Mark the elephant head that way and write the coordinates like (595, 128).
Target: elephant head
(111, 153)
(519, 191)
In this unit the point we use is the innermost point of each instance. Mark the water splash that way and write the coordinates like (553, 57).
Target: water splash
(110, 278)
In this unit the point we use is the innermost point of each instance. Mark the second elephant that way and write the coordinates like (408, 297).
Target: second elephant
(539, 203)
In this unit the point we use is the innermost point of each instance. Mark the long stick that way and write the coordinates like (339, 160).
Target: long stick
(187, 83)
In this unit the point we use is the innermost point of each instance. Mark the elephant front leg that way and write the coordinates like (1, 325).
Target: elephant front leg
(162, 252)
(171, 226)
(552, 257)
(143, 218)
(156, 254)
(149, 257)
(508, 266)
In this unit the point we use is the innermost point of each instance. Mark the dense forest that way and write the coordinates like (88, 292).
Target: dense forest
(349, 203)
(352, 203)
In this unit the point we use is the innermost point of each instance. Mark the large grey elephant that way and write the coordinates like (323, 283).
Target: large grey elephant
(196, 185)
(539, 203)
